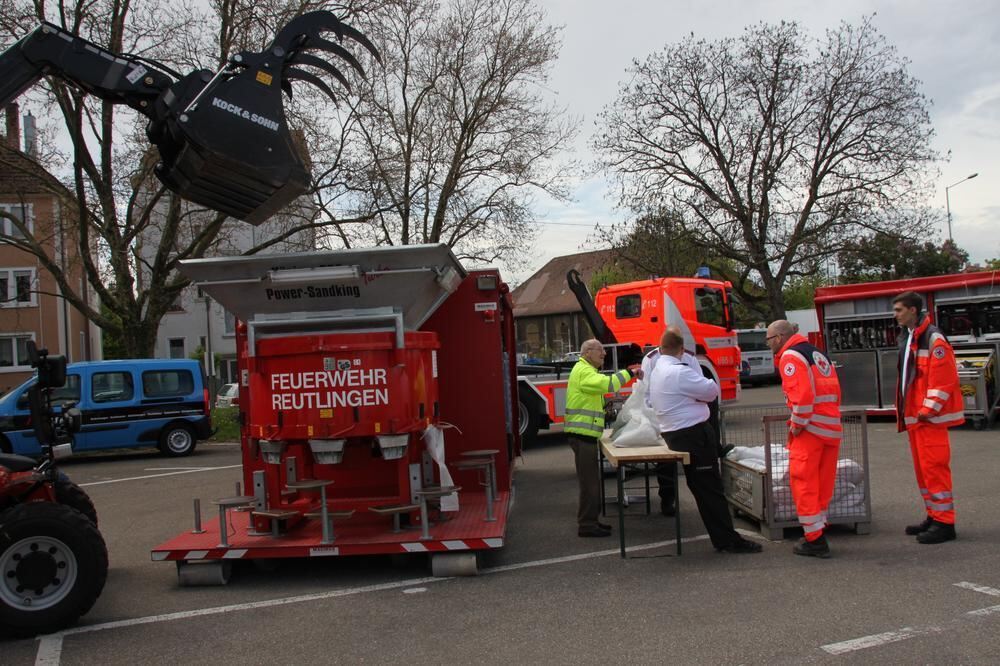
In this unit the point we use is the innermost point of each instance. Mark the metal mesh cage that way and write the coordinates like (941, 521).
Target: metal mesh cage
(757, 482)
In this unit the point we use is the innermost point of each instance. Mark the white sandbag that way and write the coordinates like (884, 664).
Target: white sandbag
(636, 423)
(754, 464)
(741, 453)
(784, 504)
(639, 432)
(632, 408)
(849, 471)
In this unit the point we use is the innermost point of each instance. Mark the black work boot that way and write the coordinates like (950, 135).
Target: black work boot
(667, 507)
(914, 530)
(818, 548)
(937, 533)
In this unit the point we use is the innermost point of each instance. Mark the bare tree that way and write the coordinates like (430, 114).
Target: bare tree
(776, 148)
(454, 135)
(655, 244)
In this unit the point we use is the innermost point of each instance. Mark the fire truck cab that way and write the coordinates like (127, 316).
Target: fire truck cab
(629, 319)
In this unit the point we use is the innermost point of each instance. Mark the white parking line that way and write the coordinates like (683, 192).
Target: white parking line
(50, 646)
(154, 476)
(876, 640)
(168, 469)
(993, 592)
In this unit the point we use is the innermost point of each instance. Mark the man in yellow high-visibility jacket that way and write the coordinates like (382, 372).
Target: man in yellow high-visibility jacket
(584, 424)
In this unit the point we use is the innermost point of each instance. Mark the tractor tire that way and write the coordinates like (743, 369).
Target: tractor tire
(70, 494)
(53, 566)
(177, 440)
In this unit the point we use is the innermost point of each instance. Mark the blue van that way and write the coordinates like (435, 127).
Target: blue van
(148, 402)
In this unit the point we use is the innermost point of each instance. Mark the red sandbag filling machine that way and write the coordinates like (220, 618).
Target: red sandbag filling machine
(376, 392)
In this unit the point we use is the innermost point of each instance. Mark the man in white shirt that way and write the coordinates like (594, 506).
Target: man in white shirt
(679, 395)
(665, 471)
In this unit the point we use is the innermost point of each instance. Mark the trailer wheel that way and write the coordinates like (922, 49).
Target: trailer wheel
(72, 495)
(527, 420)
(177, 439)
(53, 566)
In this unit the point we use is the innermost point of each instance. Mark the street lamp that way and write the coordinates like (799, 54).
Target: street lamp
(947, 201)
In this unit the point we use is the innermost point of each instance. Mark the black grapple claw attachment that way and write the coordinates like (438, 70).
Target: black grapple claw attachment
(235, 152)
(223, 138)
(296, 74)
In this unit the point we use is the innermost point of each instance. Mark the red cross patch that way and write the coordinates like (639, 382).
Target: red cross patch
(822, 364)
(789, 369)
(939, 352)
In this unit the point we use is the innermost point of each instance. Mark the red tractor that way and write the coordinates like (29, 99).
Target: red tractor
(53, 561)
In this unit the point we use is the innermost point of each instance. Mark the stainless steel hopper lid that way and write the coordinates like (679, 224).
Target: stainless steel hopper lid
(413, 280)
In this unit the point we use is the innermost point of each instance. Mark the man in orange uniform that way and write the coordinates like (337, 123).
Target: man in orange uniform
(812, 392)
(928, 402)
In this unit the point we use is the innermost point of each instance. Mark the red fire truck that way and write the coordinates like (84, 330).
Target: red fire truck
(629, 319)
(858, 332)
(375, 400)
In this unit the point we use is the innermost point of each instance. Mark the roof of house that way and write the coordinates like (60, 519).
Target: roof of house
(23, 175)
(546, 292)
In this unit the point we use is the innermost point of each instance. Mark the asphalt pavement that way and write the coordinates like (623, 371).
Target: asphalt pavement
(549, 596)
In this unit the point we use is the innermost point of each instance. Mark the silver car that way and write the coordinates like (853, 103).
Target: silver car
(228, 396)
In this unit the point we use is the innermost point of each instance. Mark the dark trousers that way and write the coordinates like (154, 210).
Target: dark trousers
(588, 475)
(665, 471)
(704, 480)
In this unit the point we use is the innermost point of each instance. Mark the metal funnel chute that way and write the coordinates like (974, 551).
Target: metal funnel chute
(310, 290)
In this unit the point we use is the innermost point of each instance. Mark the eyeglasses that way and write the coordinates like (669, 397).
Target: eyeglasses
(770, 337)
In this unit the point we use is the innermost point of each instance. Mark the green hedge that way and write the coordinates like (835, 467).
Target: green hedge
(226, 425)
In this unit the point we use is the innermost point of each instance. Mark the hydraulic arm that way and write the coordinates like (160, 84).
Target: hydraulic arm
(222, 136)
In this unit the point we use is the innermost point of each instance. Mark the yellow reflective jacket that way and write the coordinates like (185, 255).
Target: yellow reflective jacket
(585, 398)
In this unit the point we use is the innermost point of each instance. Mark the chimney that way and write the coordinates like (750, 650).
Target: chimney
(30, 136)
(13, 126)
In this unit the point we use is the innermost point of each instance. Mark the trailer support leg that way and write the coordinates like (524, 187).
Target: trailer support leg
(454, 564)
(196, 574)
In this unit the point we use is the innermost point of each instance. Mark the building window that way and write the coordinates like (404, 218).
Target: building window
(229, 327)
(175, 348)
(14, 351)
(21, 212)
(18, 287)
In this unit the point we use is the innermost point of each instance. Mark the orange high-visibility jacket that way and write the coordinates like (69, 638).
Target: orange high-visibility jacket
(811, 388)
(931, 385)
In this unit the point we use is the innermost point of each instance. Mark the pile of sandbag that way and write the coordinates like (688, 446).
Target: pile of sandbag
(848, 490)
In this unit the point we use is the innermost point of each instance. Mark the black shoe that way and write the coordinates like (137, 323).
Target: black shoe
(818, 548)
(668, 508)
(914, 530)
(937, 533)
(604, 526)
(740, 547)
(592, 532)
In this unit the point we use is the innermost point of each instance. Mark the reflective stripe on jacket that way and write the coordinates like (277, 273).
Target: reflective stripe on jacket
(585, 398)
(931, 386)
(812, 390)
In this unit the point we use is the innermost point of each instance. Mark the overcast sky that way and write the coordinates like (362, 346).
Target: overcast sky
(953, 48)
